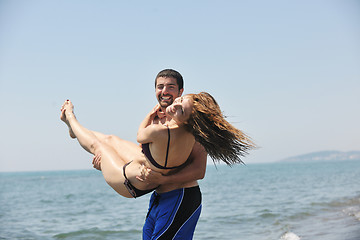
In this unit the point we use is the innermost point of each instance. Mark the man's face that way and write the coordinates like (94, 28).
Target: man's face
(166, 91)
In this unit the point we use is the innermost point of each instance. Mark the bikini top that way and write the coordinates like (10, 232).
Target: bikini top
(146, 150)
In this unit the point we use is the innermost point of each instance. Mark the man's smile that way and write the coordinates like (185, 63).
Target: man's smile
(165, 98)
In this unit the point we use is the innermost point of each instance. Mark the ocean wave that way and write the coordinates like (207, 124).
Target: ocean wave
(267, 213)
(95, 233)
(338, 203)
(353, 211)
(301, 215)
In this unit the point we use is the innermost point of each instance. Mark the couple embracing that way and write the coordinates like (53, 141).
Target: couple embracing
(174, 140)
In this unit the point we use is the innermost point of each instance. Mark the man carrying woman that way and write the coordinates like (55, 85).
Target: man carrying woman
(168, 144)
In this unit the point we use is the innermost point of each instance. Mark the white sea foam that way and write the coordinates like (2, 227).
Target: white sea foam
(290, 236)
(353, 211)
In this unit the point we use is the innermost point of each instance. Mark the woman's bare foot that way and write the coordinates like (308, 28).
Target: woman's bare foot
(67, 109)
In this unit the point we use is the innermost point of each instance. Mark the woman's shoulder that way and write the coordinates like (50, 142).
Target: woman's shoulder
(177, 129)
(159, 129)
(180, 134)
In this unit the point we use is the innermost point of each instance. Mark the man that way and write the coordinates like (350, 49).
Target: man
(175, 206)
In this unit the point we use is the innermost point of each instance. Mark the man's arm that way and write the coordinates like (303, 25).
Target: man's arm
(195, 170)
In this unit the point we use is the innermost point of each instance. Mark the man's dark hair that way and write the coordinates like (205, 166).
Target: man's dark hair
(173, 74)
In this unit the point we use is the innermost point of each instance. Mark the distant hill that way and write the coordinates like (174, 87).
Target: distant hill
(325, 156)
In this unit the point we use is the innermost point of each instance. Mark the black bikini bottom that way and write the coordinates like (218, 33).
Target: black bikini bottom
(133, 190)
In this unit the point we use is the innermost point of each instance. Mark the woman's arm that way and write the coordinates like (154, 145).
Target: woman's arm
(195, 170)
(146, 128)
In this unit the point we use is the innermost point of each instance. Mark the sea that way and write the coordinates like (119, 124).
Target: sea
(267, 201)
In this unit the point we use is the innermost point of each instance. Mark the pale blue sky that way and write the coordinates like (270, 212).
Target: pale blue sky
(285, 72)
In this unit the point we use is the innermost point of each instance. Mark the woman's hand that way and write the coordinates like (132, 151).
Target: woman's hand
(156, 108)
(146, 128)
(156, 112)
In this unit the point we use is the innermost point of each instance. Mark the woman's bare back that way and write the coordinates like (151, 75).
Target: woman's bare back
(177, 149)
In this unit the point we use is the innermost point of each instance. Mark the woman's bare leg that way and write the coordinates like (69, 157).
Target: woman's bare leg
(63, 118)
(85, 137)
(112, 169)
(90, 139)
(100, 136)
(115, 152)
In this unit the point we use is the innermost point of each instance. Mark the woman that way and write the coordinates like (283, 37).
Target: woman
(192, 117)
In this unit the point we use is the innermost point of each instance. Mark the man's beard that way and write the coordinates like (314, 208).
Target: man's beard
(165, 103)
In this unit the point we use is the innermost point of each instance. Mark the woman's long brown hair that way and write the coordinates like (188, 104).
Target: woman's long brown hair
(221, 140)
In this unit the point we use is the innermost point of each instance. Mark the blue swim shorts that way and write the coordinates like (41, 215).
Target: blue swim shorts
(173, 215)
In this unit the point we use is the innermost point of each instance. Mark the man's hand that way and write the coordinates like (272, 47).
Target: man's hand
(97, 162)
(150, 176)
